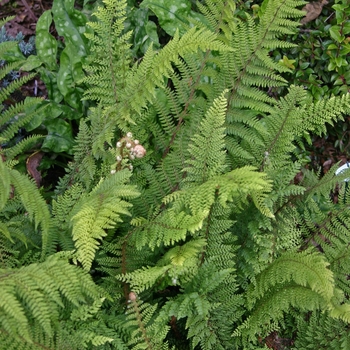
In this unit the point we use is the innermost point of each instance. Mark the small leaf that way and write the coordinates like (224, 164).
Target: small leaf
(287, 62)
(304, 65)
(334, 31)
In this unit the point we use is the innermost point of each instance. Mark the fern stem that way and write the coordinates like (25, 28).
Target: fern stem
(140, 324)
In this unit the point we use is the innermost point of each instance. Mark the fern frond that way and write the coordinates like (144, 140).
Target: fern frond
(207, 147)
(305, 269)
(107, 72)
(36, 292)
(145, 334)
(272, 307)
(98, 211)
(5, 184)
(32, 200)
(14, 118)
(326, 332)
(13, 86)
(8, 67)
(3, 21)
(20, 147)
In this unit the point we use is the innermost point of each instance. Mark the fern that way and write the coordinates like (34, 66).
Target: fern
(321, 329)
(29, 294)
(100, 210)
(16, 116)
(32, 200)
(205, 241)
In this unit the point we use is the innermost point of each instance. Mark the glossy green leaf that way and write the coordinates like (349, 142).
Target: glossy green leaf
(338, 82)
(52, 110)
(332, 47)
(346, 27)
(71, 24)
(32, 62)
(331, 66)
(334, 31)
(304, 65)
(46, 44)
(172, 14)
(145, 31)
(340, 61)
(289, 63)
(59, 138)
(70, 72)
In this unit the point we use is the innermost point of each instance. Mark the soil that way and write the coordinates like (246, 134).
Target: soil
(26, 14)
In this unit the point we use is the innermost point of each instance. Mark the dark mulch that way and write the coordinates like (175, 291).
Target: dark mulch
(26, 14)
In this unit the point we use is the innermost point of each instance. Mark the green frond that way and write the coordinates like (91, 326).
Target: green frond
(13, 86)
(177, 265)
(178, 255)
(20, 147)
(341, 312)
(304, 268)
(145, 334)
(286, 116)
(16, 231)
(6, 69)
(15, 117)
(157, 66)
(217, 229)
(195, 305)
(322, 186)
(5, 184)
(327, 332)
(3, 21)
(60, 234)
(35, 293)
(168, 228)
(322, 112)
(220, 16)
(192, 206)
(271, 309)
(144, 278)
(99, 211)
(32, 200)
(107, 72)
(207, 147)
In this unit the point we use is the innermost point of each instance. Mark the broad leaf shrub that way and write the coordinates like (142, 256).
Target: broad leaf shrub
(180, 223)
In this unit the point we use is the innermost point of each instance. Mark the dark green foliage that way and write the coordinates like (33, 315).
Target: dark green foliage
(319, 331)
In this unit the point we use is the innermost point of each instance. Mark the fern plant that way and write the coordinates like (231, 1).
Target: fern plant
(14, 117)
(181, 217)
